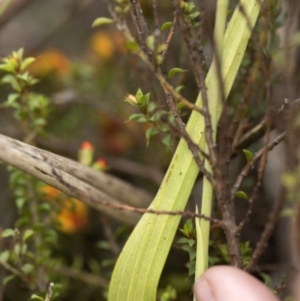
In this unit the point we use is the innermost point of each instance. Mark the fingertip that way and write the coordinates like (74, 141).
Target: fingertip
(225, 283)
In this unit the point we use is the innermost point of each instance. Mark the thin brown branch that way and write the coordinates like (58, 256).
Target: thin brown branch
(129, 208)
(155, 14)
(250, 165)
(258, 155)
(170, 36)
(136, 13)
(137, 28)
(223, 193)
(266, 69)
(140, 17)
(267, 232)
(257, 132)
(197, 59)
(192, 146)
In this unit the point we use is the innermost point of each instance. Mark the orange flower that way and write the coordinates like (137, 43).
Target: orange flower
(49, 191)
(102, 45)
(50, 61)
(73, 214)
(87, 145)
(105, 44)
(100, 165)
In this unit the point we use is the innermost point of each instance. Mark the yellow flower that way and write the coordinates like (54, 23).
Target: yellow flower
(106, 44)
(50, 61)
(102, 45)
(72, 215)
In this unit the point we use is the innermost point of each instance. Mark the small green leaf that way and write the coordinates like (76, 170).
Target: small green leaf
(8, 279)
(168, 141)
(27, 268)
(159, 59)
(194, 15)
(25, 76)
(32, 81)
(19, 54)
(241, 194)
(150, 41)
(138, 117)
(289, 180)
(179, 88)
(4, 256)
(191, 242)
(166, 26)
(22, 221)
(183, 240)
(108, 263)
(20, 201)
(11, 99)
(94, 266)
(45, 207)
(189, 7)
(161, 48)
(26, 63)
(8, 232)
(27, 234)
(150, 133)
(36, 297)
(103, 244)
(248, 155)
(10, 79)
(132, 46)
(287, 212)
(101, 21)
(174, 71)
(7, 67)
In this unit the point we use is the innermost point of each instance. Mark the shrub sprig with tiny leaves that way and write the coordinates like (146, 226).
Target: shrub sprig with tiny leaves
(159, 121)
(28, 256)
(30, 108)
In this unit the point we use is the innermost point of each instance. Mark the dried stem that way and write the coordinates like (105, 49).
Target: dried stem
(49, 292)
(62, 175)
(198, 60)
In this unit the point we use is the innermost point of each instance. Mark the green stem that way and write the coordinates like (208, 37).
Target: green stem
(215, 95)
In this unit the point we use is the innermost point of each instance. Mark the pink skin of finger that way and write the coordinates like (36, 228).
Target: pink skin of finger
(224, 283)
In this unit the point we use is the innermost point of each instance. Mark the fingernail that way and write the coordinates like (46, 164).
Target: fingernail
(203, 291)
